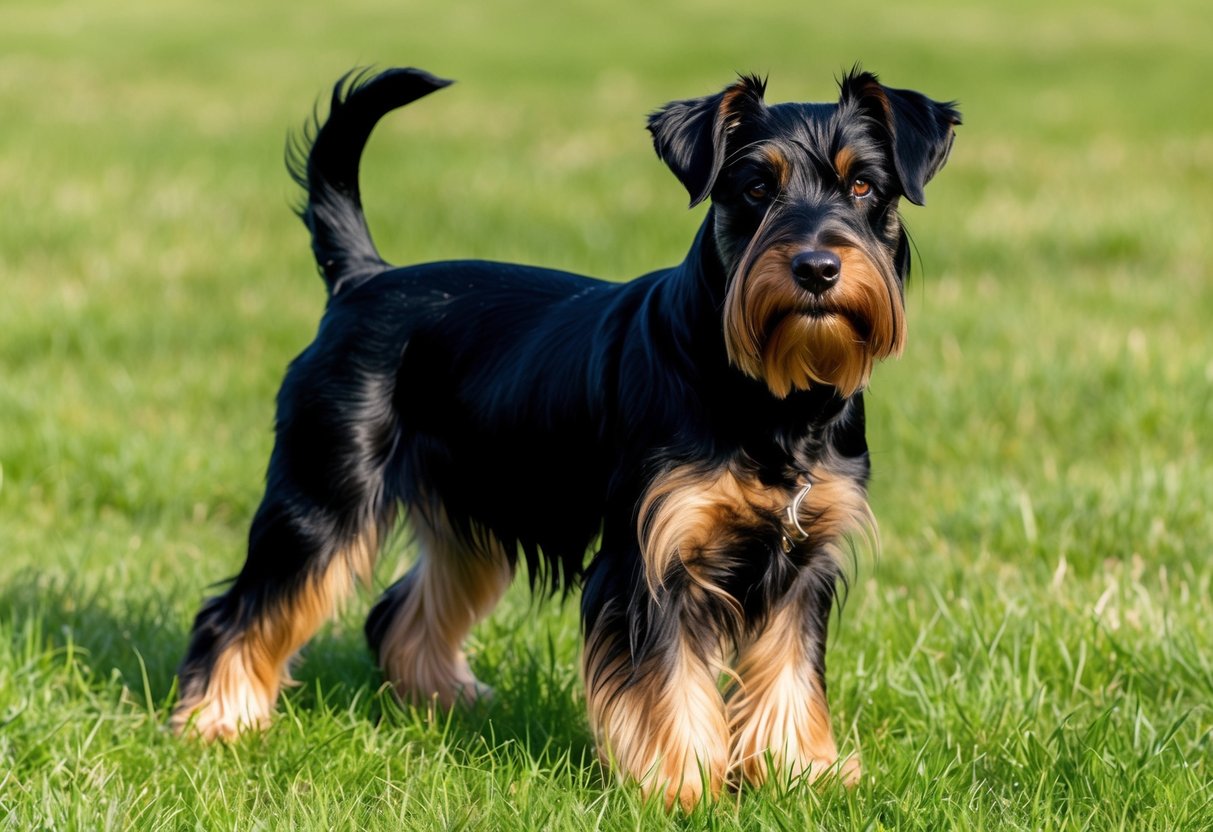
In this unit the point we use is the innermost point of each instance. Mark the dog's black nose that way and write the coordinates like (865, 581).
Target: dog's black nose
(816, 270)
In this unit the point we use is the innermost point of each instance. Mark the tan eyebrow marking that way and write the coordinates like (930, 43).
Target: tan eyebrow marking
(774, 157)
(844, 160)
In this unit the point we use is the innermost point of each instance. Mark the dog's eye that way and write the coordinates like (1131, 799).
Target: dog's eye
(757, 191)
(861, 189)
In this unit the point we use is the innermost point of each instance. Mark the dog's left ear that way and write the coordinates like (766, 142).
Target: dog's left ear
(920, 130)
(690, 136)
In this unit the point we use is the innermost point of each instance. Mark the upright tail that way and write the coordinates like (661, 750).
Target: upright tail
(324, 161)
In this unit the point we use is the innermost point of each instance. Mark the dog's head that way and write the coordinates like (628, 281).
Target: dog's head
(806, 220)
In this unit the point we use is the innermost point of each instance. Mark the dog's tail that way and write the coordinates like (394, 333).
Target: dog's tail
(324, 158)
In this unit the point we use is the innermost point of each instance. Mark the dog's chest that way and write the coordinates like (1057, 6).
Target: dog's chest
(715, 522)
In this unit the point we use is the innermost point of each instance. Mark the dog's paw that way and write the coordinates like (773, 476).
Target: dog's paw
(683, 788)
(847, 771)
(208, 720)
(227, 702)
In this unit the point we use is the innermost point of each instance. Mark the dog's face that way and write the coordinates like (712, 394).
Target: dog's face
(806, 220)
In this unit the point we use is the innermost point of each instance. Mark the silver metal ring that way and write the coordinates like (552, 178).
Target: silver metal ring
(794, 510)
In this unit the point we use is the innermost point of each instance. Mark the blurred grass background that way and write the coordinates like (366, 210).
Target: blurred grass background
(1032, 649)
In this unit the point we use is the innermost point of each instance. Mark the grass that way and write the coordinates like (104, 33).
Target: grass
(1031, 651)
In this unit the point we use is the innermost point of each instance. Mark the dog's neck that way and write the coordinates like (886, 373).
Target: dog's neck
(705, 266)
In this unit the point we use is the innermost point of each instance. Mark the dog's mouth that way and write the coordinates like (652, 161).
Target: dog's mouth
(818, 313)
(823, 313)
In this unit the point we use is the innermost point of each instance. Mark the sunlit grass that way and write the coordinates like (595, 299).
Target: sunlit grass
(1032, 649)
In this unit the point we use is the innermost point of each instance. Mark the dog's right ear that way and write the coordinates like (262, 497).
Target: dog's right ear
(690, 136)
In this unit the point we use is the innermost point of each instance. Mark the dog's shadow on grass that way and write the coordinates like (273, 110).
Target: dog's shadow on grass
(137, 643)
(537, 706)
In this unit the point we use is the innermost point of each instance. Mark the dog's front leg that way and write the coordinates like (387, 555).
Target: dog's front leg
(654, 705)
(778, 715)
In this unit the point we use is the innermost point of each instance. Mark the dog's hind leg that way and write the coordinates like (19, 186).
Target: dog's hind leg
(319, 526)
(418, 627)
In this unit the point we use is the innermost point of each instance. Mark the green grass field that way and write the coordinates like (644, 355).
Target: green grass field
(1033, 647)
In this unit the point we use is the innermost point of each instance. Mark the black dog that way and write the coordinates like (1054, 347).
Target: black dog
(703, 424)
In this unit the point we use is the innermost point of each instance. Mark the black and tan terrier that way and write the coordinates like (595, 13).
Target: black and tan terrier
(702, 426)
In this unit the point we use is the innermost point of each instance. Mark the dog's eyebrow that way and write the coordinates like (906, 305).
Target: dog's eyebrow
(771, 155)
(844, 160)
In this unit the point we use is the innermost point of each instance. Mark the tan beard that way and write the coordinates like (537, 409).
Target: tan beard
(771, 335)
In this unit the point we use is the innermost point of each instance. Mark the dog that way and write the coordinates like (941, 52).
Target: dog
(702, 426)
